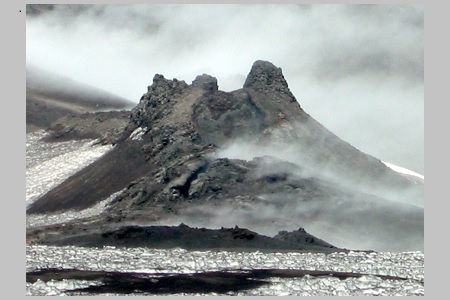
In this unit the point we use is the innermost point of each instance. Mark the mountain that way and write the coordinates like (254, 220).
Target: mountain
(50, 96)
(251, 157)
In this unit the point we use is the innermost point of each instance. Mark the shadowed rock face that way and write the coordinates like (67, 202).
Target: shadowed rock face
(175, 132)
(220, 117)
(206, 82)
(266, 78)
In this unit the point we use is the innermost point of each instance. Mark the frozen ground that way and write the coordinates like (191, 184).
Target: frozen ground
(408, 264)
(49, 164)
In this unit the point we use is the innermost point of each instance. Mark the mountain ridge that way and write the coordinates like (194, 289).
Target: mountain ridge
(165, 159)
(51, 96)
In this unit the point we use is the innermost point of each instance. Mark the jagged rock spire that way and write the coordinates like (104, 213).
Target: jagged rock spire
(206, 82)
(264, 75)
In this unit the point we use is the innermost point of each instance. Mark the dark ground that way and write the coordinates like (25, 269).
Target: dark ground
(164, 284)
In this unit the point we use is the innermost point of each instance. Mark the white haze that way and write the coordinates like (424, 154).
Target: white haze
(343, 214)
(349, 222)
(382, 220)
(358, 70)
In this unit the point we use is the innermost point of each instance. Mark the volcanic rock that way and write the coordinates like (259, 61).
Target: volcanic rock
(265, 77)
(167, 163)
(206, 82)
(105, 126)
(183, 236)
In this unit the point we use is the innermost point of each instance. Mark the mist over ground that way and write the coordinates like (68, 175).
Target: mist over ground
(358, 70)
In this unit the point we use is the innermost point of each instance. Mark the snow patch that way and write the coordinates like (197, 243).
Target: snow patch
(403, 170)
(49, 164)
(137, 133)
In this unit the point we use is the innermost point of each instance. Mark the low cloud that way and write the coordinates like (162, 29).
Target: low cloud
(353, 223)
(358, 70)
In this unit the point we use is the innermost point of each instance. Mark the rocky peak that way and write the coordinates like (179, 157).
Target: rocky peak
(161, 92)
(162, 85)
(266, 77)
(157, 103)
(206, 82)
(217, 116)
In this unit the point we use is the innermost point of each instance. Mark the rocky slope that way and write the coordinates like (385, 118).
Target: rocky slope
(171, 161)
(50, 97)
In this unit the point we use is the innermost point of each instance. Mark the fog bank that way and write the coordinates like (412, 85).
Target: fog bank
(358, 70)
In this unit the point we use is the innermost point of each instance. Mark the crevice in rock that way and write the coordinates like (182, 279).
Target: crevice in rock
(185, 187)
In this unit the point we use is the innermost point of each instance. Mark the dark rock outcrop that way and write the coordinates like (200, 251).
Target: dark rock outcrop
(266, 78)
(206, 82)
(221, 117)
(105, 126)
(183, 236)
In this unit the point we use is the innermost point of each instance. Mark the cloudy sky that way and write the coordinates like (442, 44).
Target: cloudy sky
(358, 70)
